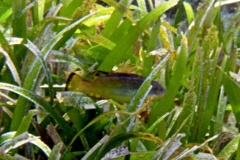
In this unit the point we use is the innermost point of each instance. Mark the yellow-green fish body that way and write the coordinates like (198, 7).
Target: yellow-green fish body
(120, 87)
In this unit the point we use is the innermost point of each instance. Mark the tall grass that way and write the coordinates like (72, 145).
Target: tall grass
(195, 58)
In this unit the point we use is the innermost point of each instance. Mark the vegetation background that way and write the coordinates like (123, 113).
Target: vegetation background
(193, 52)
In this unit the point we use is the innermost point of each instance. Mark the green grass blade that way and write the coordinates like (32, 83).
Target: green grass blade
(142, 5)
(38, 11)
(37, 100)
(218, 124)
(101, 17)
(19, 22)
(100, 40)
(41, 26)
(175, 82)
(153, 44)
(210, 82)
(34, 49)
(5, 11)
(56, 152)
(18, 141)
(188, 105)
(116, 16)
(198, 23)
(189, 12)
(35, 68)
(15, 142)
(229, 150)
(138, 99)
(232, 31)
(11, 65)
(26, 121)
(69, 7)
(61, 57)
(118, 139)
(157, 122)
(119, 51)
(96, 120)
(232, 90)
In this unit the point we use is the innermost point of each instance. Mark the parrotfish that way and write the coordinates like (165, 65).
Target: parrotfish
(120, 87)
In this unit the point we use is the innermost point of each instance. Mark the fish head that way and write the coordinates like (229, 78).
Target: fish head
(157, 91)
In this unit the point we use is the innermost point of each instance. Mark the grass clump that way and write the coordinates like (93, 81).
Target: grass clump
(196, 60)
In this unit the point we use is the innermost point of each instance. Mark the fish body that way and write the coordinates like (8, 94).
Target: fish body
(120, 87)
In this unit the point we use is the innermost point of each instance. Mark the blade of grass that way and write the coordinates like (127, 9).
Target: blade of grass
(18, 22)
(142, 5)
(35, 68)
(189, 12)
(41, 26)
(69, 7)
(24, 138)
(189, 104)
(39, 101)
(17, 141)
(138, 98)
(26, 121)
(116, 16)
(61, 57)
(175, 82)
(56, 152)
(232, 90)
(218, 124)
(229, 150)
(34, 49)
(119, 51)
(213, 80)
(169, 147)
(5, 11)
(118, 139)
(153, 44)
(38, 11)
(96, 120)
(197, 24)
(11, 66)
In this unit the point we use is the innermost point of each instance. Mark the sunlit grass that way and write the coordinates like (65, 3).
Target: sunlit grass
(195, 58)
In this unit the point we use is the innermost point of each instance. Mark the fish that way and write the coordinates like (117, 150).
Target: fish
(120, 87)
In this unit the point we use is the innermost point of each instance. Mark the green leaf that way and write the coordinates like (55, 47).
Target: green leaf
(119, 51)
(26, 121)
(210, 83)
(56, 152)
(38, 100)
(24, 138)
(198, 23)
(118, 139)
(96, 120)
(141, 94)
(174, 84)
(116, 16)
(5, 12)
(34, 49)
(189, 12)
(61, 57)
(221, 108)
(152, 44)
(38, 11)
(37, 30)
(229, 150)
(232, 90)
(35, 69)
(11, 66)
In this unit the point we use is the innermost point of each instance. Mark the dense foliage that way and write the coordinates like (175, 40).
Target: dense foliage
(193, 52)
